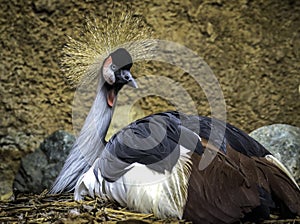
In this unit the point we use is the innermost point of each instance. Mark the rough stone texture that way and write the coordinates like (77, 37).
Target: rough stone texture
(283, 141)
(252, 47)
(39, 169)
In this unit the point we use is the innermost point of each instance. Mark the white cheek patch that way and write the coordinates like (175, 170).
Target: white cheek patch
(108, 74)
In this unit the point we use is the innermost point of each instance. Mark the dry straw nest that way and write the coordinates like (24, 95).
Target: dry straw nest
(45, 208)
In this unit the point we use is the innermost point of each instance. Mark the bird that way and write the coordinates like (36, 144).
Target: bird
(155, 164)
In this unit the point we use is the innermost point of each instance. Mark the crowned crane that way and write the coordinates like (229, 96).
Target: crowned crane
(152, 165)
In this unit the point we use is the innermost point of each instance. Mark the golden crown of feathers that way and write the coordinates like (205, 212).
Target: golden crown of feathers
(84, 55)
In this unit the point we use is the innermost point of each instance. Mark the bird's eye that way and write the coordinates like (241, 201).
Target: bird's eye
(113, 67)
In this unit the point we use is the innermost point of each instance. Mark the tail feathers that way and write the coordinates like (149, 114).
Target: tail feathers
(278, 185)
(276, 162)
(284, 189)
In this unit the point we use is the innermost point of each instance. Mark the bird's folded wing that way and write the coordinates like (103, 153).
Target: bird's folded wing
(154, 142)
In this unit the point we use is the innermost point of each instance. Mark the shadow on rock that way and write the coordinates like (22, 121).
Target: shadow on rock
(39, 169)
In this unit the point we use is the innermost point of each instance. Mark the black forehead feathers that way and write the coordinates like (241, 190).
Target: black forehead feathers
(121, 58)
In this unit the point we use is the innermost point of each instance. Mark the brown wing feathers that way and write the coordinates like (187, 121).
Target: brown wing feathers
(218, 194)
(236, 187)
(285, 193)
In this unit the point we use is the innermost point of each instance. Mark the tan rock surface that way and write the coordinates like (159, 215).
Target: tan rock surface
(252, 47)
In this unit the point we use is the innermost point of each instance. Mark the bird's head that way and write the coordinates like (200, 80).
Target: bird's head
(116, 73)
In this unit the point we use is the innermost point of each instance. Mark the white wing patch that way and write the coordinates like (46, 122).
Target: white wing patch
(164, 195)
(143, 189)
(88, 184)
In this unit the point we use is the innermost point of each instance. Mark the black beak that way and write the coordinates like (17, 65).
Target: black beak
(128, 79)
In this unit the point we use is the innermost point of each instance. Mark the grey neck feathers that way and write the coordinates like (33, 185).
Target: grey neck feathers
(89, 144)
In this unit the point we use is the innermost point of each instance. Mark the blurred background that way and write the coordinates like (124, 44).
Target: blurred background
(252, 46)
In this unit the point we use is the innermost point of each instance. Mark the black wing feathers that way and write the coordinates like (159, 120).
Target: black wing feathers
(235, 137)
(153, 141)
(155, 137)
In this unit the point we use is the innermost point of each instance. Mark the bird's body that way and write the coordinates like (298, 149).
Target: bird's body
(239, 183)
(175, 165)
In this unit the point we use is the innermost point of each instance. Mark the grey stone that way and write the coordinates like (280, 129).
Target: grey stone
(283, 141)
(39, 169)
